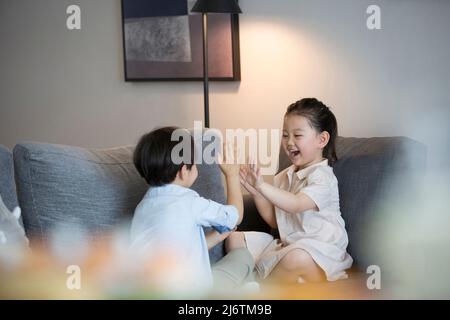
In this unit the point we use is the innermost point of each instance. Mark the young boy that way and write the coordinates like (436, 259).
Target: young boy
(170, 218)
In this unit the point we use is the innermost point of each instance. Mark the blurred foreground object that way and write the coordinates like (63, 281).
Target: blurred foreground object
(13, 242)
(413, 246)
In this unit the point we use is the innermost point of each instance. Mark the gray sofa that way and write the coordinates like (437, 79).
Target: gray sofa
(56, 184)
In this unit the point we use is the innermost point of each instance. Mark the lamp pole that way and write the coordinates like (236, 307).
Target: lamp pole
(205, 68)
(211, 6)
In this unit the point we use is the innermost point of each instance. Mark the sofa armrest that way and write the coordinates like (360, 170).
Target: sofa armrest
(252, 221)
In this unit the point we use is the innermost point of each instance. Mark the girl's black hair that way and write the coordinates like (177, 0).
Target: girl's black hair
(153, 157)
(321, 119)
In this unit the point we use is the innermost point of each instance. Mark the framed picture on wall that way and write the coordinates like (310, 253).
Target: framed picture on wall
(162, 41)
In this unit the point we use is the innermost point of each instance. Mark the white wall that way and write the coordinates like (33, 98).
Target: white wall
(67, 87)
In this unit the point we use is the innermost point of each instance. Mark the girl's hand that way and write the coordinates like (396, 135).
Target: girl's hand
(245, 184)
(229, 165)
(213, 237)
(251, 178)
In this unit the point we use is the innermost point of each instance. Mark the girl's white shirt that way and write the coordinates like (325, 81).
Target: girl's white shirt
(321, 233)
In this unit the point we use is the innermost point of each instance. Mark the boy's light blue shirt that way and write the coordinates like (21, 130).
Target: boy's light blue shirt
(172, 216)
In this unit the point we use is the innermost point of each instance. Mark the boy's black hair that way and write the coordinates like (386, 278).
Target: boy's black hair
(153, 156)
(321, 119)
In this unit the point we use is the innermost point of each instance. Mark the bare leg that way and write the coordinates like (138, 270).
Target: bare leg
(236, 240)
(297, 263)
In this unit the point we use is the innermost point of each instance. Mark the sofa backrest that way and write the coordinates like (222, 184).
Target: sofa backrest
(94, 188)
(368, 168)
(7, 184)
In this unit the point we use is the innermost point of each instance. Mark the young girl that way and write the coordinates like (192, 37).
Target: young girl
(303, 203)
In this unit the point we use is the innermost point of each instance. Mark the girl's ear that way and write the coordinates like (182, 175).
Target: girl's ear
(324, 138)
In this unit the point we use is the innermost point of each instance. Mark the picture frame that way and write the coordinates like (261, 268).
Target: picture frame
(163, 42)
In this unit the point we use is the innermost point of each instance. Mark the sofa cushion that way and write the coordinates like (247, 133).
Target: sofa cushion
(366, 169)
(7, 185)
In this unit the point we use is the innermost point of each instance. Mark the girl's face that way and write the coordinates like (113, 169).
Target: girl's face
(302, 144)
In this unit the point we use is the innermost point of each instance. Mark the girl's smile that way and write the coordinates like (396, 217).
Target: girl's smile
(293, 154)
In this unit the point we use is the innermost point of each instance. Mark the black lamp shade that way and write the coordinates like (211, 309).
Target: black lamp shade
(216, 6)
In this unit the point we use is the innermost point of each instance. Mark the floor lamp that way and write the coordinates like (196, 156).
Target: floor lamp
(205, 7)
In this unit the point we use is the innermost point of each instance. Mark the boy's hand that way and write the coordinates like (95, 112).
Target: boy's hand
(229, 165)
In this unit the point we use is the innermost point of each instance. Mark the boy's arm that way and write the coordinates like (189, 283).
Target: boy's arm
(234, 194)
(231, 171)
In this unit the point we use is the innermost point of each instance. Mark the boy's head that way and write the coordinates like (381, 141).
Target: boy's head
(153, 158)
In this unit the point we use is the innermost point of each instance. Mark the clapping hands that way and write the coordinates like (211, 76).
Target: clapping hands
(229, 164)
(251, 178)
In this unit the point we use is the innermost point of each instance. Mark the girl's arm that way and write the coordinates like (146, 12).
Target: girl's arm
(213, 238)
(265, 208)
(286, 201)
